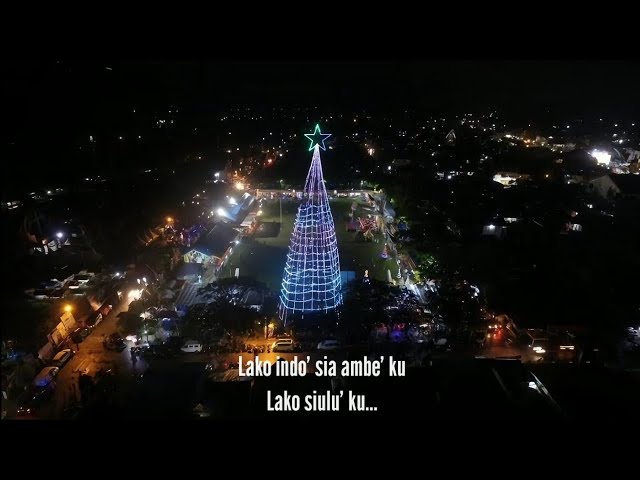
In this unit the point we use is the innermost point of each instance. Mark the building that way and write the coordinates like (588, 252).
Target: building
(189, 271)
(237, 212)
(451, 138)
(214, 247)
(400, 162)
(253, 299)
(614, 186)
(494, 230)
(509, 179)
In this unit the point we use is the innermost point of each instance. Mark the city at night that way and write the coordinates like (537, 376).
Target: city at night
(440, 241)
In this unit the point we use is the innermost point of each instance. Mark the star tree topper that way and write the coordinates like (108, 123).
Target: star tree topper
(317, 138)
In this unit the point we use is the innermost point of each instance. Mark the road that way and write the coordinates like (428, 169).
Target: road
(172, 387)
(498, 347)
(131, 380)
(90, 357)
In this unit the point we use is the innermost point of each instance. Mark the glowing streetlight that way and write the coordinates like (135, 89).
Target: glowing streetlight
(169, 220)
(59, 234)
(68, 308)
(601, 156)
(134, 295)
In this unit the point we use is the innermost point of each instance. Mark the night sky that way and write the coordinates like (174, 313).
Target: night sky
(578, 86)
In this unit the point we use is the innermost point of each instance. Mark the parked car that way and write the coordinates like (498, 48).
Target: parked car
(282, 345)
(79, 334)
(93, 321)
(115, 342)
(329, 344)
(26, 413)
(45, 377)
(62, 357)
(141, 349)
(40, 394)
(191, 346)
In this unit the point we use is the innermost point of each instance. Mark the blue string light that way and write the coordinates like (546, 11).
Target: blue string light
(311, 280)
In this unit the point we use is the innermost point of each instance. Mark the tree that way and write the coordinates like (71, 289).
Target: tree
(225, 312)
(428, 265)
(29, 321)
(373, 303)
(129, 322)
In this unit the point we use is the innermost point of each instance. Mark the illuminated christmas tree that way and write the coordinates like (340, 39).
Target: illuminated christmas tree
(311, 280)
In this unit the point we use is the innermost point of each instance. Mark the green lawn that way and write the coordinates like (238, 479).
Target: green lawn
(264, 258)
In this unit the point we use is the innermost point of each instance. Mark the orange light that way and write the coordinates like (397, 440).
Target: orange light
(68, 308)
(169, 220)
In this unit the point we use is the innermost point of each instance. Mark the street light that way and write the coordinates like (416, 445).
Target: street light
(134, 295)
(169, 220)
(59, 234)
(68, 308)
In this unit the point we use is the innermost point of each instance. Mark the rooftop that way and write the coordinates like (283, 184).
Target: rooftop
(216, 242)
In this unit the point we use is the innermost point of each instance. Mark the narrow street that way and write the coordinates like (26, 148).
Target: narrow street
(90, 357)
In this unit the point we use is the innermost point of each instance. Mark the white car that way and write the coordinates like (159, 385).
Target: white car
(329, 345)
(62, 357)
(192, 347)
(283, 345)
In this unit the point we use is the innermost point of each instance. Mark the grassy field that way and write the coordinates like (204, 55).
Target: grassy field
(264, 258)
